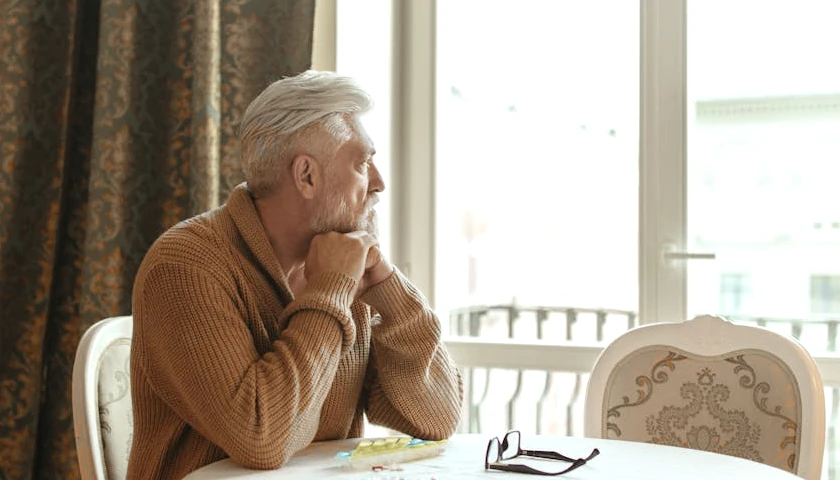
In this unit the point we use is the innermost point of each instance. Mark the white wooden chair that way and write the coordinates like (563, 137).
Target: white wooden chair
(102, 414)
(711, 385)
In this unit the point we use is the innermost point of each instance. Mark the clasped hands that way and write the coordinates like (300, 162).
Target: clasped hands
(355, 254)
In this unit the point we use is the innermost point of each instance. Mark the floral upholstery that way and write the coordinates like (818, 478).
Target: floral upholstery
(744, 404)
(116, 420)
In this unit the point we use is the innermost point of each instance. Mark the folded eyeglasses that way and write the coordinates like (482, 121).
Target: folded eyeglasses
(499, 452)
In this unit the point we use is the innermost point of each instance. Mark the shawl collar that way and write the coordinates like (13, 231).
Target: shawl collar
(242, 210)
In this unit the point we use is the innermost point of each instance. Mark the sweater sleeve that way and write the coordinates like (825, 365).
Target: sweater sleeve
(414, 385)
(199, 356)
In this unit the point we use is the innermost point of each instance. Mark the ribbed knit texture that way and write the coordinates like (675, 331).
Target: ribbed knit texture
(226, 363)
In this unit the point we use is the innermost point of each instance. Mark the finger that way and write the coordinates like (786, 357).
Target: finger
(357, 234)
(366, 238)
(318, 236)
(374, 257)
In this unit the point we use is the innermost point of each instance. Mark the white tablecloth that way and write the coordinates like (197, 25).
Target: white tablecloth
(464, 459)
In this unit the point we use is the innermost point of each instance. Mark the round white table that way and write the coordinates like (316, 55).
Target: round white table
(464, 459)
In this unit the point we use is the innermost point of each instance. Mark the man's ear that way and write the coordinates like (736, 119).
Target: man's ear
(306, 175)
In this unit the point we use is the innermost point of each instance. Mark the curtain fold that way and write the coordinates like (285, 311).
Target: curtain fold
(117, 120)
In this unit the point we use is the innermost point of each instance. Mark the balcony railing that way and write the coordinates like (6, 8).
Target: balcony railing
(469, 321)
(526, 367)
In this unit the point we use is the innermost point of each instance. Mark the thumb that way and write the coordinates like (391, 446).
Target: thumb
(374, 257)
(367, 239)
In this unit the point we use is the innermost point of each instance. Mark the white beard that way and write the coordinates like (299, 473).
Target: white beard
(335, 216)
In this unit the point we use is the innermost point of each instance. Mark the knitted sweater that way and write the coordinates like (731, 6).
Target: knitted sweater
(226, 362)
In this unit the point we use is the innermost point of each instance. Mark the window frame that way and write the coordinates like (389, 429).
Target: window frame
(662, 152)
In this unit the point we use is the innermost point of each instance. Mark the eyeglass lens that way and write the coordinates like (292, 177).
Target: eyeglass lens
(493, 451)
(510, 445)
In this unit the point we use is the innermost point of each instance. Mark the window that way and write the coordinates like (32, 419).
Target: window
(763, 116)
(537, 155)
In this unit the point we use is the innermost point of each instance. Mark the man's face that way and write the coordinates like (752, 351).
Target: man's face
(352, 187)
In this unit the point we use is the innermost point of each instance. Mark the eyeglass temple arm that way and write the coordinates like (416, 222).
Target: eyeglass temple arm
(557, 456)
(547, 454)
(519, 468)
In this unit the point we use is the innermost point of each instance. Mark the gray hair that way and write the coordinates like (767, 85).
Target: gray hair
(286, 119)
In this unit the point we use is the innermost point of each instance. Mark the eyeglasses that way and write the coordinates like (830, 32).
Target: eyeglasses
(509, 448)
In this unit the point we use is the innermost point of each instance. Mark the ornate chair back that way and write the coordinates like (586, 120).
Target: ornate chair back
(711, 385)
(102, 409)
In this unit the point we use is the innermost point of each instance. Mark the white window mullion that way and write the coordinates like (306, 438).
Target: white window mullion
(323, 35)
(662, 161)
(413, 230)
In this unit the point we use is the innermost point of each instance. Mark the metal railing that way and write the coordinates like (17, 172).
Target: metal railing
(467, 321)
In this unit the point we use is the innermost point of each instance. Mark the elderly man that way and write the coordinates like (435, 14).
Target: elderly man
(274, 320)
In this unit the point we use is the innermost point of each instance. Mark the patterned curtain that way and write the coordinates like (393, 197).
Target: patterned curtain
(117, 120)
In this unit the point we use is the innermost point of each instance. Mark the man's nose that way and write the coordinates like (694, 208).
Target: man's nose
(375, 182)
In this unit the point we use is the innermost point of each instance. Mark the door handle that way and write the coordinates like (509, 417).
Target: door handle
(688, 256)
(671, 254)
